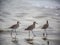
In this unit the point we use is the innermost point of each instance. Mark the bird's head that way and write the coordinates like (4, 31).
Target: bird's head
(47, 21)
(17, 22)
(35, 22)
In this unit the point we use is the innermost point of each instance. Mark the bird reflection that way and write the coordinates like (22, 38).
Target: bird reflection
(15, 40)
(29, 41)
(15, 43)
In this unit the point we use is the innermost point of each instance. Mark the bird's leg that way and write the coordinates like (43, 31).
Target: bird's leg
(33, 33)
(45, 33)
(11, 32)
(29, 34)
(15, 33)
(15, 38)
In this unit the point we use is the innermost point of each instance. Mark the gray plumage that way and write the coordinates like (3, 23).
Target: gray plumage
(45, 26)
(15, 26)
(31, 27)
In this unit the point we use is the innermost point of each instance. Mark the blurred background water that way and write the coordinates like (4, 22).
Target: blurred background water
(26, 12)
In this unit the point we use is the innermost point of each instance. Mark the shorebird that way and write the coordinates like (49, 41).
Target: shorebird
(45, 26)
(30, 28)
(14, 27)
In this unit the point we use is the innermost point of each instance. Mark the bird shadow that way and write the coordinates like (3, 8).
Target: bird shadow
(33, 43)
(15, 42)
(29, 41)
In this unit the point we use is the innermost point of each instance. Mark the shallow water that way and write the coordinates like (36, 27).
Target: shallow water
(6, 39)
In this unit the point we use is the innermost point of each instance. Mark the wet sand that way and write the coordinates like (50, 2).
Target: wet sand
(5, 39)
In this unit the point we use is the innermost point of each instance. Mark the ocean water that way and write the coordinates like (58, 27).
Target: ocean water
(26, 12)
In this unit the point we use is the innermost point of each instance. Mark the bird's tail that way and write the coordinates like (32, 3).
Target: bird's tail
(26, 29)
(8, 28)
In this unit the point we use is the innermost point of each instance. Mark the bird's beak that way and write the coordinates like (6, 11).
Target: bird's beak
(36, 23)
(20, 23)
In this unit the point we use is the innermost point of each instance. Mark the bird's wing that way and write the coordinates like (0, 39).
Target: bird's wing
(44, 26)
(12, 26)
(29, 27)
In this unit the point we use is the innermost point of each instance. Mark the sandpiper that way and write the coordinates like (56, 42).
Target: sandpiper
(14, 27)
(31, 27)
(45, 26)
